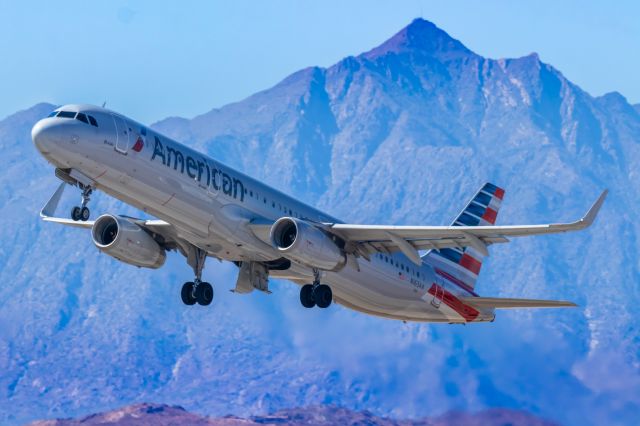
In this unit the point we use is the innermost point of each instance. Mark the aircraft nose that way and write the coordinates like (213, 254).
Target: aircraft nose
(44, 135)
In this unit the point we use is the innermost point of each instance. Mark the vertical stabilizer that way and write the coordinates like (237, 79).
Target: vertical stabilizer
(463, 265)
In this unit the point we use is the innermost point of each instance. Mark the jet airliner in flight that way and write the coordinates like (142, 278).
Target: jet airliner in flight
(206, 209)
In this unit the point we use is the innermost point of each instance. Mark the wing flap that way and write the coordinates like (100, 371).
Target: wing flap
(505, 303)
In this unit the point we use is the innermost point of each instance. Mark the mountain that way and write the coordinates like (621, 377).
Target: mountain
(402, 134)
(164, 415)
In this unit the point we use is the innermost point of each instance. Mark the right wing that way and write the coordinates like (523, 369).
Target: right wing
(155, 226)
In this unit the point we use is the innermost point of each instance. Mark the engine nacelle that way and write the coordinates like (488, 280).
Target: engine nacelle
(307, 244)
(126, 241)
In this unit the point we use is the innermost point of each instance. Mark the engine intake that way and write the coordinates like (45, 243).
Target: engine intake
(305, 243)
(126, 241)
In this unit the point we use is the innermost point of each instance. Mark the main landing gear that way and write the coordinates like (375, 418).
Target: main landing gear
(197, 291)
(82, 212)
(316, 293)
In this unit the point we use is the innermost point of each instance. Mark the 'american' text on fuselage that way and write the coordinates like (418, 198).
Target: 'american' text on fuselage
(200, 170)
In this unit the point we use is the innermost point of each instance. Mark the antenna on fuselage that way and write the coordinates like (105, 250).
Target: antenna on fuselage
(104, 104)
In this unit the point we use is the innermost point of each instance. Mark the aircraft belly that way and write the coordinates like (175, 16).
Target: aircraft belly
(374, 291)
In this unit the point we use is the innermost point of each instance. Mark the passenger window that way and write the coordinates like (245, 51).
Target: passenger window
(93, 121)
(67, 114)
(82, 118)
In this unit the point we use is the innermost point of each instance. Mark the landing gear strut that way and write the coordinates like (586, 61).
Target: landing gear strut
(82, 212)
(316, 294)
(197, 291)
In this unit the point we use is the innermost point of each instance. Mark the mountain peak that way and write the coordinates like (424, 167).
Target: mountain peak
(421, 36)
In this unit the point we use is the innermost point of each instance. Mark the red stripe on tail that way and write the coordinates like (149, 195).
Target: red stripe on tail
(490, 215)
(470, 263)
(465, 311)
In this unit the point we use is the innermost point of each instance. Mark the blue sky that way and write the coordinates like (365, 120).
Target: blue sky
(152, 59)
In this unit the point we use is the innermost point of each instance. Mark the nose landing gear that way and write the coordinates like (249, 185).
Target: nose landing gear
(316, 294)
(82, 212)
(197, 291)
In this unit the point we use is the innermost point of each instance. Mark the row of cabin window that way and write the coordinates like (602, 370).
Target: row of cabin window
(387, 259)
(85, 118)
(273, 203)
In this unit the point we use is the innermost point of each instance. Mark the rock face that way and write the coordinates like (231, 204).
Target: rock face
(401, 134)
(164, 415)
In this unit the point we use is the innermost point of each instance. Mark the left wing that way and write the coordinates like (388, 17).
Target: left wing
(369, 239)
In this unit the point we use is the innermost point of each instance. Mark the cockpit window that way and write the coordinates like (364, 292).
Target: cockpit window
(66, 114)
(53, 114)
(93, 121)
(82, 118)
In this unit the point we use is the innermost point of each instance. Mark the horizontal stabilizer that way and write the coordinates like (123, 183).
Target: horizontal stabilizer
(502, 303)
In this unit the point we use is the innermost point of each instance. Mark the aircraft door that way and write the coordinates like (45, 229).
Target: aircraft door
(438, 293)
(122, 134)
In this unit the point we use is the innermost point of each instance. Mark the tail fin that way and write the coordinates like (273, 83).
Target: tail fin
(463, 265)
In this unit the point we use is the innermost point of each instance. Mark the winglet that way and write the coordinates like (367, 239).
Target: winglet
(588, 218)
(50, 208)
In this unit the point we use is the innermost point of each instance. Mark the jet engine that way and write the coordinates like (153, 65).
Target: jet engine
(126, 241)
(307, 244)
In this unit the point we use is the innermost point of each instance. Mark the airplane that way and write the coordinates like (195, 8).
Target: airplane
(203, 208)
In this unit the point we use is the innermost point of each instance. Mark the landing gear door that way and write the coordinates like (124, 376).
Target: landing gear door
(122, 134)
(252, 275)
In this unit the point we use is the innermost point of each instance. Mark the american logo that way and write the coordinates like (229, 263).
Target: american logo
(201, 170)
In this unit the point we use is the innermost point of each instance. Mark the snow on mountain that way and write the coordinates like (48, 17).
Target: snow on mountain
(401, 134)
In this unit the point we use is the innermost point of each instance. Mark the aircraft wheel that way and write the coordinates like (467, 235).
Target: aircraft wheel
(306, 296)
(323, 296)
(204, 294)
(76, 213)
(187, 294)
(84, 214)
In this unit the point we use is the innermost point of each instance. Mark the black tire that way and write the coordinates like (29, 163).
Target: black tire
(204, 294)
(187, 294)
(76, 213)
(84, 214)
(323, 296)
(306, 296)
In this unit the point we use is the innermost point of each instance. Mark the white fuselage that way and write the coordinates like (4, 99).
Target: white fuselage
(211, 205)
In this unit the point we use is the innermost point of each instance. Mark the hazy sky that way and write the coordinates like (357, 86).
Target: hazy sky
(151, 59)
